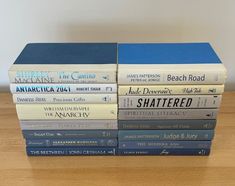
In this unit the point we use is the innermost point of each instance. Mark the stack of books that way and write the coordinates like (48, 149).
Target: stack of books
(66, 98)
(169, 97)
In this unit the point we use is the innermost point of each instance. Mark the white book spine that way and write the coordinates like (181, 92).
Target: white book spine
(68, 124)
(63, 88)
(62, 76)
(170, 102)
(141, 114)
(172, 74)
(65, 98)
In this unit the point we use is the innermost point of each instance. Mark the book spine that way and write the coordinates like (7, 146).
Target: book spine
(171, 76)
(65, 98)
(92, 76)
(68, 124)
(66, 111)
(166, 124)
(143, 114)
(202, 101)
(171, 135)
(86, 142)
(164, 144)
(47, 134)
(69, 151)
(165, 152)
(154, 90)
(63, 88)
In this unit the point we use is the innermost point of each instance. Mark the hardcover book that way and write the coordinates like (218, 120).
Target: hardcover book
(65, 63)
(66, 111)
(170, 102)
(169, 63)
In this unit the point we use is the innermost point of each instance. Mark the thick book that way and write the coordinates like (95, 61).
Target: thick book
(72, 142)
(155, 144)
(65, 63)
(154, 90)
(69, 134)
(169, 63)
(70, 151)
(65, 98)
(69, 124)
(164, 152)
(66, 111)
(170, 102)
(164, 135)
(148, 114)
(63, 88)
(167, 124)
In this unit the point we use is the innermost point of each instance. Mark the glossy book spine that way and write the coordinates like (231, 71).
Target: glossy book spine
(171, 135)
(153, 90)
(64, 98)
(174, 102)
(178, 124)
(70, 142)
(63, 88)
(66, 111)
(165, 152)
(69, 134)
(69, 151)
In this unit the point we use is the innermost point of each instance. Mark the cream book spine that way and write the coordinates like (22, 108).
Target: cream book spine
(66, 111)
(152, 90)
(65, 98)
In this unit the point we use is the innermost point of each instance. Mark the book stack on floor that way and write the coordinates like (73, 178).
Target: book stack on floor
(169, 97)
(66, 98)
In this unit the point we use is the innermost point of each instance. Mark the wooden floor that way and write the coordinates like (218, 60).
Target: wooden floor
(18, 169)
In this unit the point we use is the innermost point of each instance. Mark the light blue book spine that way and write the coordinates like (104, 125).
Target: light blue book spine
(69, 134)
(86, 142)
(132, 135)
(164, 144)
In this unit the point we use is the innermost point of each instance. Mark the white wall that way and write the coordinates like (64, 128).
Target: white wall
(23, 21)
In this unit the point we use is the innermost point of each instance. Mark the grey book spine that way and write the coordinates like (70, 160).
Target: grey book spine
(68, 124)
(142, 114)
(166, 124)
(161, 135)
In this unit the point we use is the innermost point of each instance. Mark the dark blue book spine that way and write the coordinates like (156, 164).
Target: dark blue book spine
(69, 151)
(165, 152)
(131, 135)
(69, 134)
(63, 142)
(164, 144)
(192, 124)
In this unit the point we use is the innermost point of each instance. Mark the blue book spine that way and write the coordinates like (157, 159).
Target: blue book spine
(165, 152)
(167, 124)
(132, 135)
(164, 144)
(70, 142)
(69, 151)
(69, 134)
